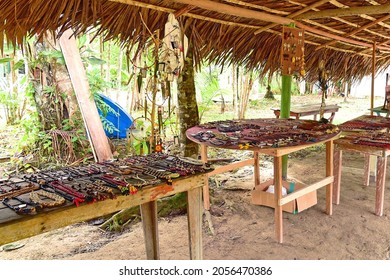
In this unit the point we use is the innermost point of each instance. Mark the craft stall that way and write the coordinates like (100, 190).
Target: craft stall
(274, 137)
(42, 201)
(369, 136)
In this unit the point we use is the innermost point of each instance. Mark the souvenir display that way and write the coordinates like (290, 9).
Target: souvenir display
(379, 140)
(31, 193)
(292, 53)
(365, 123)
(261, 133)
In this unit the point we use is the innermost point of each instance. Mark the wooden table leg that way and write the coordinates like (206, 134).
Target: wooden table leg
(329, 173)
(369, 169)
(256, 168)
(337, 163)
(331, 117)
(380, 184)
(150, 227)
(194, 214)
(206, 191)
(277, 197)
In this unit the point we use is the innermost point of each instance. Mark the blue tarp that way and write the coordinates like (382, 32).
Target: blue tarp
(122, 121)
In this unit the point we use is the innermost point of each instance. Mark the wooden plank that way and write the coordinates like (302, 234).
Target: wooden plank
(294, 195)
(329, 173)
(78, 76)
(231, 166)
(44, 222)
(380, 185)
(194, 213)
(150, 229)
(337, 165)
(277, 197)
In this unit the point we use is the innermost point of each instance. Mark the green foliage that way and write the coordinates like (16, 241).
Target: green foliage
(105, 109)
(207, 84)
(5, 60)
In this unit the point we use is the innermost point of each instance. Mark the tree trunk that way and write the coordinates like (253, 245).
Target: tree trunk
(188, 113)
(50, 81)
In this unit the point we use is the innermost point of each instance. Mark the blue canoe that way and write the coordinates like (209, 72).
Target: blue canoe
(122, 121)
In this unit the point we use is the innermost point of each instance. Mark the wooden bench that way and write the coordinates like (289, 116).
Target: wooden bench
(310, 110)
(380, 110)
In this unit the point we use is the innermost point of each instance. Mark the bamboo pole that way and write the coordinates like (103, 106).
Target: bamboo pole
(285, 106)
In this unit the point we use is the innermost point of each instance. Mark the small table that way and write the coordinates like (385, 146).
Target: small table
(310, 110)
(367, 135)
(274, 137)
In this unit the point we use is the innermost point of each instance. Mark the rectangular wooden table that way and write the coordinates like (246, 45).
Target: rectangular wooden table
(14, 227)
(310, 110)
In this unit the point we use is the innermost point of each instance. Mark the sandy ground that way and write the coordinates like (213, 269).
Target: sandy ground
(243, 231)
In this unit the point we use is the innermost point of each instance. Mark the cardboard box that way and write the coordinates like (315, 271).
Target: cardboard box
(260, 196)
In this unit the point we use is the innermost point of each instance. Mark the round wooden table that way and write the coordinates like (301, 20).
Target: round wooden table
(274, 137)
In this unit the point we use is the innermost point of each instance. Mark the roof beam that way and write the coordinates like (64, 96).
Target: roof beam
(246, 13)
(367, 10)
(357, 30)
(183, 11)
(235, 11)
(293, 15)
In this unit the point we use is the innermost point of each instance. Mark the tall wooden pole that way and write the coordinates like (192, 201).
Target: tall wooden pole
(373, 76)
(93, 125)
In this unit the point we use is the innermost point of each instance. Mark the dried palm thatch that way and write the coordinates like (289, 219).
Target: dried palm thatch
(340, 32)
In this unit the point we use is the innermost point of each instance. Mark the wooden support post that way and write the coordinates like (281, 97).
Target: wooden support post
(337, 164)
(373, 76)
(206, 190)
(380, 184)
(194, 214)
(78, 76)
(278, 196)
(256, 168)
(329, 173)
(150, 227)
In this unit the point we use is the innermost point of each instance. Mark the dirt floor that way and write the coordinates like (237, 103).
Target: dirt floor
(242, 231)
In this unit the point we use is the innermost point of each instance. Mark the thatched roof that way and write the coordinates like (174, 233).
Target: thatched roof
(341, 32)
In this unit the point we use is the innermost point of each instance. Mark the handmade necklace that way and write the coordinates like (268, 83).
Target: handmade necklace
(54, 199)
